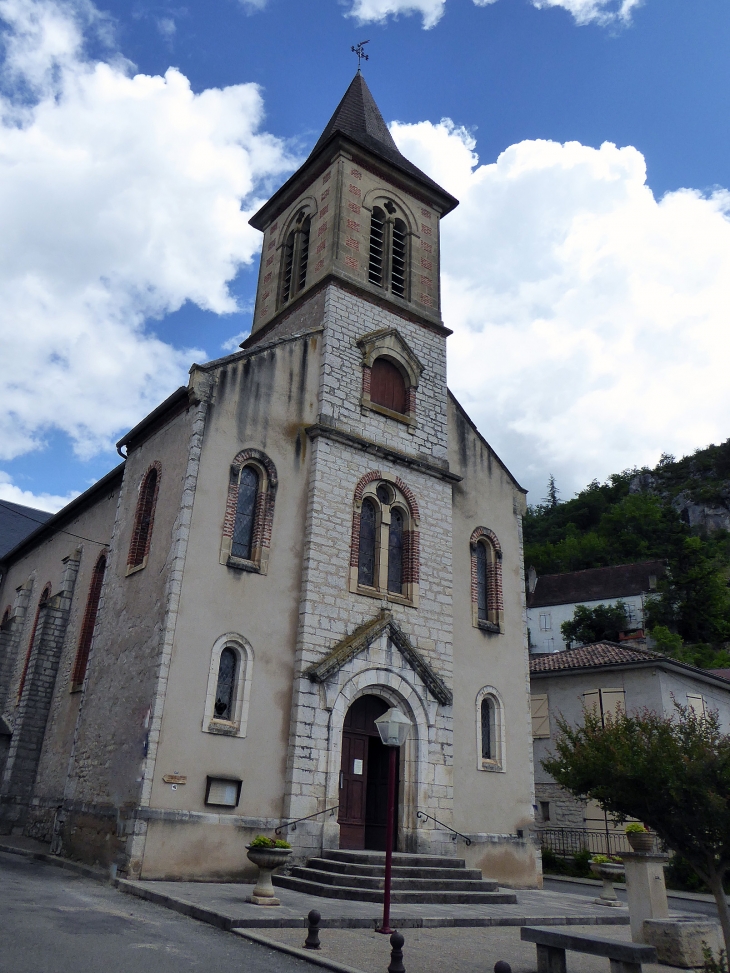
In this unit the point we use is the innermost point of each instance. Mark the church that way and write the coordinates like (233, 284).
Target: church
(310, 532)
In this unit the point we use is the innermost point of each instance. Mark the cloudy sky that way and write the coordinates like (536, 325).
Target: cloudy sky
(586, 271)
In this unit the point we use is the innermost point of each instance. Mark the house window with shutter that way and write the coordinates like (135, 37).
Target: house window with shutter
(607, 703)
(540, 716)
(229, 686)
(384, 560)
(486, 580)
(249, 515)
(144, 517)
(88, 624)
(490, 730)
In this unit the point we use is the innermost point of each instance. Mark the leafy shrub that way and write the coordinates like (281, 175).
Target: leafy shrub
(635, 828)
(261, 841)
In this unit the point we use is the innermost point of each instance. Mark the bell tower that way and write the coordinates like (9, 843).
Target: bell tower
(357, 211)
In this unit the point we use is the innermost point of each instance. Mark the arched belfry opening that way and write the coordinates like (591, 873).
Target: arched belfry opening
(364, 778)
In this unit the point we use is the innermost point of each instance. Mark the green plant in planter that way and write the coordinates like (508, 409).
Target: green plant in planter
(261, 841)
(606, 860)
(635, 828)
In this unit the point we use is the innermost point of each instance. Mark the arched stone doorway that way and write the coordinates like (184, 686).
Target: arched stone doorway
(364, 778)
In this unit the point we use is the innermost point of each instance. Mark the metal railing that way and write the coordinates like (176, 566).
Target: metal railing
(293, 824)
(454, 834)
(567, 842)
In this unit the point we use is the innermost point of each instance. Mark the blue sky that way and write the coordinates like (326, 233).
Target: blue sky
(583, 298)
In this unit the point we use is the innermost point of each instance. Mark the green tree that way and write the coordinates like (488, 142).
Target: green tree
(599, 624)
(551, 500)
(671, 773)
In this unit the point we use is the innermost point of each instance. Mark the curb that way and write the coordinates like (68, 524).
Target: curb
(308, 955)
(88, 871)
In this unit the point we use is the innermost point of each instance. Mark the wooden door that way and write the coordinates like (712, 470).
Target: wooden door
(376, 800)
(358, 730)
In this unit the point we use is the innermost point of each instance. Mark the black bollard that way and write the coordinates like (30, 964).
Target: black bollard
(396, 954)
(501, 967)
(312, 940)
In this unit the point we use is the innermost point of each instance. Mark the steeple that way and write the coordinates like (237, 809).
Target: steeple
(356, 212)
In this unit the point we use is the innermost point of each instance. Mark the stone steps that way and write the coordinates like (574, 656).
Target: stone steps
(360, 875)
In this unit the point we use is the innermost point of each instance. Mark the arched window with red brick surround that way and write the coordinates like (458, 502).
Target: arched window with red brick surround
(486, 580)
(249, 515)
(87, 625)
(45, 595)
(384, 557)
(144, 517)
(390, 375)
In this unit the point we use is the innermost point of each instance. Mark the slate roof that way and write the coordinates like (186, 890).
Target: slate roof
(17, 522)
(585, 656)
(594, 584)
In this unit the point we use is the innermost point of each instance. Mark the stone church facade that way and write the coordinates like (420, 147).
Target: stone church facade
(312, 530)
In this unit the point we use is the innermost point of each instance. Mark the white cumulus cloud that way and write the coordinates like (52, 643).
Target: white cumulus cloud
(602, 12)
(121, 197)
(41, 501)
(590, 318)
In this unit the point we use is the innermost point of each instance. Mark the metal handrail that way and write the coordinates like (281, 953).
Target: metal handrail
(293, 824)
(424, 817)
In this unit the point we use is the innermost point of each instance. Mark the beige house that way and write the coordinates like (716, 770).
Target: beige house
(310, 532)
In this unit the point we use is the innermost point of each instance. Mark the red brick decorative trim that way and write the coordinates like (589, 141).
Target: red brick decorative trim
(144, 516)
(495, 600)
(265, 498)
(411, 537)
(88, 623)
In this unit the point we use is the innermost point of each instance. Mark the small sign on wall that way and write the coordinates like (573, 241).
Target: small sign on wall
(357, 766)
(223, 791)
(175, 779)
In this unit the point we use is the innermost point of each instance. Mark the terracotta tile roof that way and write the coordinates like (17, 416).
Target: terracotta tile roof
(594, 584)
(720, 673)
(597, 654)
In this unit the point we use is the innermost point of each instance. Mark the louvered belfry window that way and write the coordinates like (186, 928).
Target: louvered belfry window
(387, 386)
(295, 258)
(87, 627)
(248, 487)
(388, 264)
(226, 685)
(368, 545)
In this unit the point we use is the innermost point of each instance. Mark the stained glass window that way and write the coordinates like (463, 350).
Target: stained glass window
(248, 486)
(487, 728)
(226, 685)
(395, 552)
(368, 546)
(482, 583)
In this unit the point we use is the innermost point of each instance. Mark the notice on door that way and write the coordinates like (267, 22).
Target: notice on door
(357, 767)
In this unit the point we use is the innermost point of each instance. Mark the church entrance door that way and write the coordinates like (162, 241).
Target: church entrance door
(364, 778)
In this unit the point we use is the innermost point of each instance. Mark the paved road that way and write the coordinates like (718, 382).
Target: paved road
(52, 921)
(675, 905)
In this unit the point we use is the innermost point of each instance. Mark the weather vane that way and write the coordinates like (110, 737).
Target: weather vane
(361, 55)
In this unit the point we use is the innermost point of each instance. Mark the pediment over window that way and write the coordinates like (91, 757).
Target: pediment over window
(362, 637)
(388, 342)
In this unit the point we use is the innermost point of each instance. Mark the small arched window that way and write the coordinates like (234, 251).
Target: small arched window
(395, 551)
(486, 581)
(385, 541)
(143, 520)
(388, 263)
(45, 595)
(490, 730)
(225, 689)
(229, 686)
(366, 573)
(387, 386)
(249, 515)
(87, 626)
(243, 531)
(295, 258)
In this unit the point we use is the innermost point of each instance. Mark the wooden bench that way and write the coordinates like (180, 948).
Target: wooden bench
(552, 945)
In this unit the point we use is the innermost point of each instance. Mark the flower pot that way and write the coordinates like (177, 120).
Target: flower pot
(608, 873)
(640, 840)
(266, 859)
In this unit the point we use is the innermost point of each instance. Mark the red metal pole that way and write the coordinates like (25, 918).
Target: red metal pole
(385, 928)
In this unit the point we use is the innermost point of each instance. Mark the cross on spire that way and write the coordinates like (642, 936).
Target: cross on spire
(361, 55)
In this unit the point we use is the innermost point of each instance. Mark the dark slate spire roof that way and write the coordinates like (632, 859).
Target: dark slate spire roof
(358, 118)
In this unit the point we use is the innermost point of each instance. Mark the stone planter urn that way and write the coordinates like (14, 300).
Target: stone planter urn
(267, 859)
(608, 873)
(640, 840)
